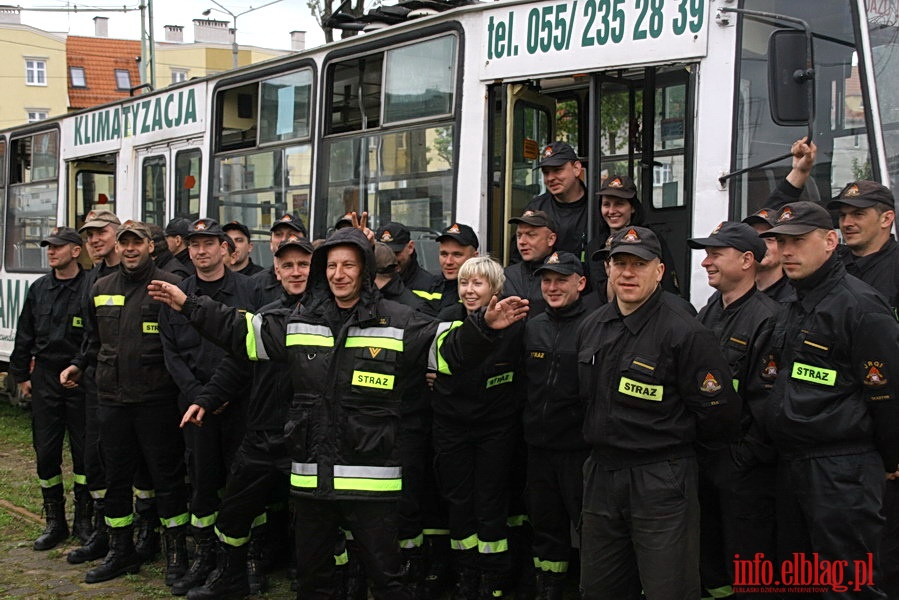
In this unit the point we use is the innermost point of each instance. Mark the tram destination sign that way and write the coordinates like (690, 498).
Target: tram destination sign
(541, 38)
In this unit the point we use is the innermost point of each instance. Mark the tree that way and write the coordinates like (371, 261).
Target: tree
(322, 10)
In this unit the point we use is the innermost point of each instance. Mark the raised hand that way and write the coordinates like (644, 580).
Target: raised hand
(503, 313)
(167, 293)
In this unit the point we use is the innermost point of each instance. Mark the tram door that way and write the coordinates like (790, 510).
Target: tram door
(634, 122)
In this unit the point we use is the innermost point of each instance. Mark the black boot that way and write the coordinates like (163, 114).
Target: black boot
(57, 529)
(438, 578)
(491, 586)
(121, 558)
(146, 536)
(550, 586)
(228, 579)
(82, 523)
(256, 563)
(468, 584)
(413, 571)
(175, 553)
(201, 567)
(97, 545)
(356, 581)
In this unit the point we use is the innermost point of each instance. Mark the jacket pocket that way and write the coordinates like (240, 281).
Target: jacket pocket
(372, 436)
(296, 431)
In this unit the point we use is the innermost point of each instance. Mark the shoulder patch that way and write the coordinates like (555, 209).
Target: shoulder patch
(874, 376)
(769, 371)
(710, 385)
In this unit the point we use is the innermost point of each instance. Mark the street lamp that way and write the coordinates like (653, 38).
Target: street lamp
(234, 16)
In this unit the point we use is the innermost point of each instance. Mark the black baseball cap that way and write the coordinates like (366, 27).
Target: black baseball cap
(763, 216)
(638, 241)
(394, 234)
(463, 234)
(207, 227)
(731, 234)
(620, 186)
(565, 263)
(535, 218)
(556, 154)
(295, 241)
(177, 226)
(863, 194)
(237, 225)
(295, 223)
(798, 218)
(60, 236)
(344, 221)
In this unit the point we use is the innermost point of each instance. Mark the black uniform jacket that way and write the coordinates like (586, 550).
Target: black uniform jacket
(744, 328)
(123, 338)
(836, 347)
(267, 287)
(191, 359)
(50, 325)
(654, 382)
(880, 270)
(166, 261)
(484, 393)
(422, 283)
(522, 281)
(553, 413)
(348, 369)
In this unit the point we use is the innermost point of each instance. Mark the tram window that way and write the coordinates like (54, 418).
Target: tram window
(237, 117)
(285, 105)
(187, 183)
(404, 176)
(356, 94)
(2, 163)
(94, 191)
(32, 200)
(883, 28)
(420, 80)
(153, 190)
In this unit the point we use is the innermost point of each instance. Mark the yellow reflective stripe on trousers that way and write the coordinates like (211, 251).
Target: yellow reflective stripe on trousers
(369, 379)
(341, 559)
(109, 300)
(814, 374)
(410, 543)
(176, 521)
(429, 296)
(500, 379)
(79, 478)
(368, 479)
(304, 334)
(203, 522)
(435, 359)
(494, 547)
(150, 327)
(77, 322)
(469, 543)
(304, 475)
(389, 338)
(435, 531)
(98, 494)
(53, 481)
(516, 520)
(259, 521)
(725, 591)
(119, 522)
(551, 566)
(144, 494)
(234, 542)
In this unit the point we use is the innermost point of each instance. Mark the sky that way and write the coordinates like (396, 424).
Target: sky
(267, 27)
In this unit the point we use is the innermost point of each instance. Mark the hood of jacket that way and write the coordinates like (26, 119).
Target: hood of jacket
(318, 290)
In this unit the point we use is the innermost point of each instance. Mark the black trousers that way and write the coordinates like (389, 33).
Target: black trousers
(149, 430)
(473, 464)
(831, 505)
(374, 528)
(420, 505)
(55, 410)
(210, 450)
(889, 547)
(640, 529)
(738, 516)
(555, 489)
(93, 457)
(259, 476)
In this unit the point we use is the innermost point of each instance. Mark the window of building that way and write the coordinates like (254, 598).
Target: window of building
(37, 115)
(179, 75)
(76, 74)
(35, 71)
(122, 79)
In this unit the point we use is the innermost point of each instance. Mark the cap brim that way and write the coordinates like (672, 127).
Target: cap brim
(554, 162)
(756, 220)
(456, 238)
(790, 229)
(636, 251)
(856, 202)
(203, 233)
(56, 242)
(396, 247)
(286, 224)
(561, 269)
(95, 225)
(307, 248)
(625, 194)
(708, 242)
(132, 232)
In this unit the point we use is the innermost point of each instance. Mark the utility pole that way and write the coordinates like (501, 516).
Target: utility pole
(147, 45)
(222, 9)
